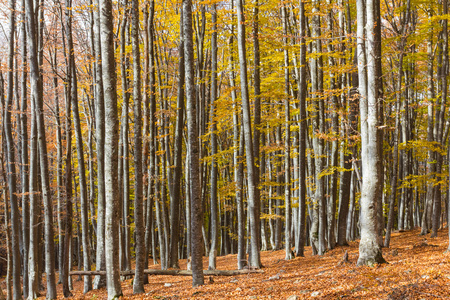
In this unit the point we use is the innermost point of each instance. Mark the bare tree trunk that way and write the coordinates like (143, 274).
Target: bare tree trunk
(300, 243)
(257, 118)
(138, 283)
(80, 152)
(369, 248)
(426, 216)
(193, 144)
(36, 92)
(214, 229)
(111, 151)
(440, 119)
(318, 225)
(246, 119)
(100, 139)
(124, 178)
(287, 142)
(331, 206)
(10, 159)
(25, 159)
(177, 173)
(33, 289)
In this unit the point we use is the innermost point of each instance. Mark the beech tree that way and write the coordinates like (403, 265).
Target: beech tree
(195, 192)
(369, 248)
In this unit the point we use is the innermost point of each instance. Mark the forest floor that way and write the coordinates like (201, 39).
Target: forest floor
(417, 269)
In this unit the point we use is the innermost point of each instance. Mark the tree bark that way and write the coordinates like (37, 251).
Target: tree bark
(138, 283)
(369, 248)
(214, 229)
(100, 139)
(300, 245)
(246, 119)
(10, 159)
(193, 144)
(80, 151)
(111, 150)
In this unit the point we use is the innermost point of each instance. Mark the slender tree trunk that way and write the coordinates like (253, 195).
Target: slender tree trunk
(440, 120)
(111, 151)
(257, 118)
(246, 119)
(318, 224)
(214, 229)
(430, 137)
(36, 92)
(193, 144)
(331, 211)
(300, 245)
(287, 142)
(138, 282)
(10, 159)
(100, 139)
(80, 153)
(25, 159)
(177, 174)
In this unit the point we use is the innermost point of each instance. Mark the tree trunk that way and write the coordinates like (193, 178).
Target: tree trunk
(10, 159)
(246, 119)
(287, 143)
(193, 144)
(257, 119)
(80, 152)
(369, 248)
(111, 151)
(25, 158)
(100, 139)
(177, 173)
(214, 229)
(36, 92)
(138, 283)
(300, 245)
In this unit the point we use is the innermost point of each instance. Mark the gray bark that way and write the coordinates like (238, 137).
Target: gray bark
(177, 173)
(300, 243)
(369, 248)
(25, 159)
(318, 225)
(287, 143)
(10, 159)
(36, 92)
(193, 144)
(138, 283)
(246, 119)
(214, 229)
(80, 152)
(111, 151)
(100, 139)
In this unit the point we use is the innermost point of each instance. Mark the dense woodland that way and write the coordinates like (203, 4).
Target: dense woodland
(140, 132)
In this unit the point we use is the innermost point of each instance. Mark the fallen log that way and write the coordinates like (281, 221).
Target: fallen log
(171, 272)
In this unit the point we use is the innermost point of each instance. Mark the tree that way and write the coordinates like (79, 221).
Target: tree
(213, 193)
(138, 283)
(195, 193)
(111, 150)
(369, 248)
(36, 92)
(246, 119)
(300, 243)
(11, 160)
(80, 150)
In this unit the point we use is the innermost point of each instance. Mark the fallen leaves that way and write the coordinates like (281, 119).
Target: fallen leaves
(417, 269)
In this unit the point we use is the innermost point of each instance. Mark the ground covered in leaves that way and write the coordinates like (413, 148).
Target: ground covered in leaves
(417, 269)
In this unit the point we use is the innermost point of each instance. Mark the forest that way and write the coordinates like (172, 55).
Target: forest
(137, 133)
